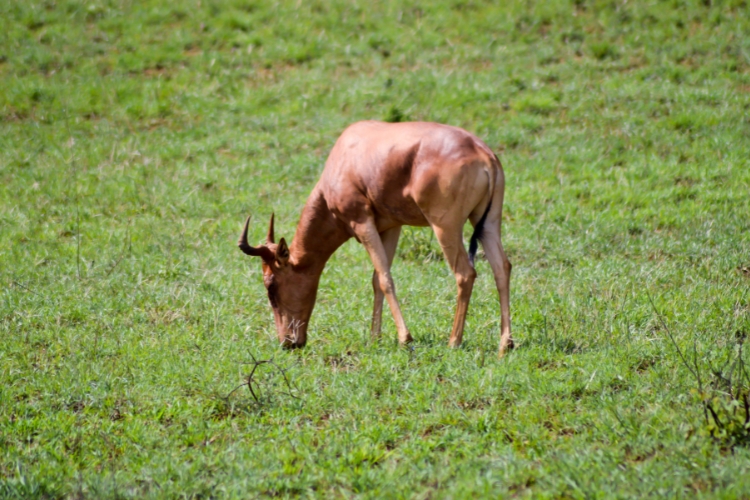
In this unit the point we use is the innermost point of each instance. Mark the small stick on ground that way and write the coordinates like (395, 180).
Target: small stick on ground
(249, 379)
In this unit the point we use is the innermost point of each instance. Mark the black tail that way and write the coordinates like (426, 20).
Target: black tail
(476, 236)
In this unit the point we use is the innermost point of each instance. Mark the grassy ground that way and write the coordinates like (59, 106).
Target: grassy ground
(136, 136)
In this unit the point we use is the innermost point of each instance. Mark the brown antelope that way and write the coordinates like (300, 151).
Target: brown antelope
(379, 177)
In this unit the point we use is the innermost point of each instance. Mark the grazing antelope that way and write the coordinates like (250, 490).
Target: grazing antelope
(379, 177)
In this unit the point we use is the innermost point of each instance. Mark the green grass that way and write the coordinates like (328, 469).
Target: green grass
(136, 136)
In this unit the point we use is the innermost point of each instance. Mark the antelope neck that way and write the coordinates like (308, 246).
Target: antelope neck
(319, 234)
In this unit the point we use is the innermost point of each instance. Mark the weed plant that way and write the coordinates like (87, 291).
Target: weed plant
(135, 137)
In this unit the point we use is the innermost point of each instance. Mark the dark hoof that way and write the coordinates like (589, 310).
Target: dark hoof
(288, 344)
(505, 346)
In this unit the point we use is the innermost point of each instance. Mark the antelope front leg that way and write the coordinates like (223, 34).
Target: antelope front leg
(370, 239)
(389, 238)
(377, 309)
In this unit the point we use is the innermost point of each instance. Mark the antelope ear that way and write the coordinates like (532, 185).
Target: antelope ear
(282, 252)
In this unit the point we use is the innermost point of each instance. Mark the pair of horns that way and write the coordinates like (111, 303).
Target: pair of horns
(262, 251)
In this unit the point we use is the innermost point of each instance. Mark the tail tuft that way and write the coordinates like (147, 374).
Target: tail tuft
(476, 236)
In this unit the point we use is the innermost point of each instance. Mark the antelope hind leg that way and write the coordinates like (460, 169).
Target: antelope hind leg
(501, 267)
(451, 241)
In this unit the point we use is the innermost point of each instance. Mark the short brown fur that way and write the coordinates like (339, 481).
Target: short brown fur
(378, 178)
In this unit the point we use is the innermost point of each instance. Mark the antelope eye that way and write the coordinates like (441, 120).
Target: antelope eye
(268, 281)
(272, 289)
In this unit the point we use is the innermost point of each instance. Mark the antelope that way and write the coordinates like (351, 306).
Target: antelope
(378, 178)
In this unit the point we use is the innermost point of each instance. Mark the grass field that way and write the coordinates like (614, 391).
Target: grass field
(135, 136)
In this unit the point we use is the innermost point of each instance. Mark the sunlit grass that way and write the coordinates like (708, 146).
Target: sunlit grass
(135, 137)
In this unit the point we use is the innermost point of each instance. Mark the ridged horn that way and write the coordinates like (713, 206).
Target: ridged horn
(269, 236)
(261, 251)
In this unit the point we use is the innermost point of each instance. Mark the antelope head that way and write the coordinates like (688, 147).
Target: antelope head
(290, 292)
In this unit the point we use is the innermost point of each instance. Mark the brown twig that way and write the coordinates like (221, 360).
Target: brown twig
(249, 379)
(16, 283)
